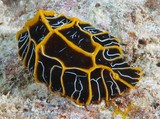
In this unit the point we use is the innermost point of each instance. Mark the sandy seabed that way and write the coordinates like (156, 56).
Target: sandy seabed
(135, 22)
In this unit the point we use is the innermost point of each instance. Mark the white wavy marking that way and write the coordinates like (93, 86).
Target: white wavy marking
(110, 55)
(96, 81)
(55, 17)
(111, 86)
(75, 82)
(134, 83)
(101, 40)
(31, 69)
(126, 75)
(51, 70)
(68, 32)
(117, 64)
(118, 89)
(44, 30)
(74, 35)
(39, 40)
(106, 39)
(36, 29)
(137, 72)
(62, 49)
(115, 54)
(111, 43)
(50, 17)
(60, 23)
(24, 51)
(43, 69)
(33, 50)
(22, 38)
(90, 29)
(80, 41)
(41, 27)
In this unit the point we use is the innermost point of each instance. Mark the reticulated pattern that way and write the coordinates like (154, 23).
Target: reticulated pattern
(74, 58)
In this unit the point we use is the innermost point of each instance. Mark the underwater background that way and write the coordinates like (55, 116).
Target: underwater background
(135, 22)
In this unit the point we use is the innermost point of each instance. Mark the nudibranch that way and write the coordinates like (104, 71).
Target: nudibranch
(74, 58)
